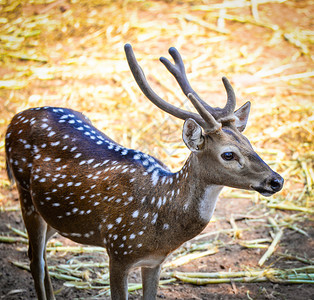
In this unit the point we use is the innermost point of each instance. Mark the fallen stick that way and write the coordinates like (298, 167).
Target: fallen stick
(271, 249)
(13, 239)
(189, 257)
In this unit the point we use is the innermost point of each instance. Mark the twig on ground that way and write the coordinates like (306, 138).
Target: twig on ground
(13, 239)
(17, 231)
(236, 231)
(271, 249)
(286, 276)
(189, 257)
(296, 257)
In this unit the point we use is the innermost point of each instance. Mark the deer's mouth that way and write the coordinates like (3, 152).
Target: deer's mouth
(263, 191)
(270, 186)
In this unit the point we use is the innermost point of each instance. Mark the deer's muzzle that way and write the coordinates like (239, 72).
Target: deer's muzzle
(270, 186)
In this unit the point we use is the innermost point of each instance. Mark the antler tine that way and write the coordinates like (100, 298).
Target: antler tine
(231, 98)
(211, 124)
(140, 78)
(178, 71)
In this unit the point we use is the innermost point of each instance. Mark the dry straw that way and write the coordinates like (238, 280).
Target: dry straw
(75, 59)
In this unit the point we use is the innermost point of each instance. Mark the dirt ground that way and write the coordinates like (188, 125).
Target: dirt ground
(18, 284)
(79, 63)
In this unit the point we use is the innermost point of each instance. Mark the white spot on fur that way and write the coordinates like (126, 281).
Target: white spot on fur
(166, 226)
(135, 214)
(155, 177)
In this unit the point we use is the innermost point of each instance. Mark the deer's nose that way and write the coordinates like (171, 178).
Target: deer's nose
(276, 183)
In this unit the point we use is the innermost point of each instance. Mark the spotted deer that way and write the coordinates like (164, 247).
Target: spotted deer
(74, 180)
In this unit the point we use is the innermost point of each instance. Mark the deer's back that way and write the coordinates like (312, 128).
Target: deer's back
(72, 170)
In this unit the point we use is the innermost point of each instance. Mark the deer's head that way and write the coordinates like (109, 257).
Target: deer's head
(214, 135)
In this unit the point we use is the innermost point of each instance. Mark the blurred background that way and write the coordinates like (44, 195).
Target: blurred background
(70, 54)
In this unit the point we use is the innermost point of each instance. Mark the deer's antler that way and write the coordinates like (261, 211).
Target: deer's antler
(178, 71)
(207, 114)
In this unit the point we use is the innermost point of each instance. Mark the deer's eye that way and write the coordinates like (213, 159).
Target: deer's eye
(228, 156)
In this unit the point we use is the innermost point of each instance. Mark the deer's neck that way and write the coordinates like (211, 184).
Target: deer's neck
(190, 201)
(198, 196)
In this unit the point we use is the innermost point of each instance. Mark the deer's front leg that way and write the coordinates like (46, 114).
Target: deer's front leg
(150, 279)
(118, 280)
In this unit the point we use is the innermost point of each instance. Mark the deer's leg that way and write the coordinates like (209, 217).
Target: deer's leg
(150, 279)
(36, 228)
(118, 280)
(48, 287)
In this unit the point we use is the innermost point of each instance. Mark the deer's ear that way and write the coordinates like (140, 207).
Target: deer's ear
(242, 115)
(192, 135)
